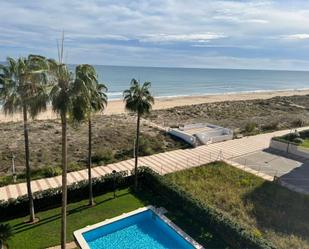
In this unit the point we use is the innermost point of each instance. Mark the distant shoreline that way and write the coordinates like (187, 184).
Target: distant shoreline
(117, 106)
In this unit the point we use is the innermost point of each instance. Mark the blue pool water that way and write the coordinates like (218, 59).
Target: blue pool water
(140, 231)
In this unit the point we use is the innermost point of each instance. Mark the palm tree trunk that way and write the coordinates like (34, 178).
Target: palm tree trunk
(91, 201)
(64, 181)
(136, 151)
(28, 173)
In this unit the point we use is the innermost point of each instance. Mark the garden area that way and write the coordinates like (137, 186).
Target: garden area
(298, 138)
(46, 232)
(207, 225)
(216, 204)
(264, 208)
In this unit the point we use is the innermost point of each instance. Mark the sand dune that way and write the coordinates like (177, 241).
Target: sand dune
(117, 106)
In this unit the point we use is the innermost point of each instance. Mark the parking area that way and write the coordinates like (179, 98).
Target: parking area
(290, 169)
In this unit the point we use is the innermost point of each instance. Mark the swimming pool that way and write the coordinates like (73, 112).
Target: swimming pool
(139, 229)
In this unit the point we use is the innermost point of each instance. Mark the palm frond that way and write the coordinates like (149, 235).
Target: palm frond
(89, 94)
(22, 83)
(138, 98)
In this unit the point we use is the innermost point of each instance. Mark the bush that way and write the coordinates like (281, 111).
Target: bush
(298, 140)
(6, 232)
(228, 229)
(298, 122)
(250, 127)
(103, 155)
(147, 146)
(304, 134)
(291, 136)
(51, 171)
(271, 126)
(74, 167)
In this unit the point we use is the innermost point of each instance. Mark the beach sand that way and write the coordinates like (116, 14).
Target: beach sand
(117, 106)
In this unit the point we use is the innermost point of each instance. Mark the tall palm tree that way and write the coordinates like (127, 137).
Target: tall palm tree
(23, 88)
(89, 98)
(61, 96)
(6, 233)
(138, 99)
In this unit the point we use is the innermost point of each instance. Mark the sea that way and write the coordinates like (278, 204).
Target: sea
(176, 82)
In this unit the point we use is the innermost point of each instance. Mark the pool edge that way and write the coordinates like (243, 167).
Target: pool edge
(82, 243)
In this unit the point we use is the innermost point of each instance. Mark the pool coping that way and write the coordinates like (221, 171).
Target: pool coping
(78, 234)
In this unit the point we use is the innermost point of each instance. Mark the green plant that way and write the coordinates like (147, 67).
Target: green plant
(89, 98)
(298, 122)
(74, 167)
(250, 127)
(148, 147)
(138, 99)
(23, 88)
(103, 155)
(6, 233)
(51, 171)
(298, 140)
(271, 126)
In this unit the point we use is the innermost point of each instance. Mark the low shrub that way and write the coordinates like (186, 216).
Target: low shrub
(148, 147)
(298, 122)
(298, 140)
(272, 126)
(250, 127)
(295, 138)
(74, 167)
(51, 171)
(103, 155)
(228, 229)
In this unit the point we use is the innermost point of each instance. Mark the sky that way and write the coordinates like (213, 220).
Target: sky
(168, 33)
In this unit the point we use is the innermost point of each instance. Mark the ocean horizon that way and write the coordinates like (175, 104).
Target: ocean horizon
(169, 82)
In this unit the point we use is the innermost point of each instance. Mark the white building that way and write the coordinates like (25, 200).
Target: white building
(200, 134)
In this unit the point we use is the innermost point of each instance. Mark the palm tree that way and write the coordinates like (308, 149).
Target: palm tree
(138, 99)
(61, 96)
(89, 98)
(5, 234)
(23, 88)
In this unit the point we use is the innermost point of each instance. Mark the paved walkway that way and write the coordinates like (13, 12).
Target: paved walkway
(162, 163)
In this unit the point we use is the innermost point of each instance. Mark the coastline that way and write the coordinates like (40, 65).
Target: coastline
(117, 106)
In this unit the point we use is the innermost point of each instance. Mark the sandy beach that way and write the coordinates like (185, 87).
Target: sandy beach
(117, 106)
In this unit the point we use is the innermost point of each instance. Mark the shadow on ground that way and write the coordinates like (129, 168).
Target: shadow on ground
(279, 209)
(22, 226)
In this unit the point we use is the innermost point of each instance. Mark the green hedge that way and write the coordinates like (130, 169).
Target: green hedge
(228, 229)
(283, 139)
(290, 137)
(52, 197)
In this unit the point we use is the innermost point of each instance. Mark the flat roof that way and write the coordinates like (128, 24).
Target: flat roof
(199, 130)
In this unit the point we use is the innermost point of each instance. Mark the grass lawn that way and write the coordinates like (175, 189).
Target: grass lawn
(46, 232)
(274, 212)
